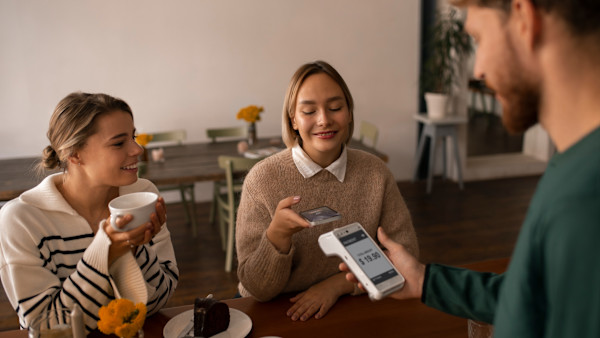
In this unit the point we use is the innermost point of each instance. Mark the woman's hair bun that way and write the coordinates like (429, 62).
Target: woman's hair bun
(50, 159)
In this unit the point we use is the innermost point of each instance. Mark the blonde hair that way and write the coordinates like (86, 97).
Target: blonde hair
(289, 104)
(72, 123)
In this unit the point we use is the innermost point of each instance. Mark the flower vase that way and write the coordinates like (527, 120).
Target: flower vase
(251, 133)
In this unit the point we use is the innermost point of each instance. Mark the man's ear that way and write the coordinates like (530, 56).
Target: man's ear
(528, 21)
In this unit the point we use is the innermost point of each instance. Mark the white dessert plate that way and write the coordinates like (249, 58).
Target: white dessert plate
(239, 325)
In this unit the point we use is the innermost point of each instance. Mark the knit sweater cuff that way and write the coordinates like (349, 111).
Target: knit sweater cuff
(270, 271)
(128, 279)
(96, 255)
(272, 253)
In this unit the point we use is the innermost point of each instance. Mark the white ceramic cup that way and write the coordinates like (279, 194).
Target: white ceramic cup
(477, 329)
(138, 204)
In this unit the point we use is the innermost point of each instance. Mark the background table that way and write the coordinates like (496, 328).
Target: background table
(187, 163)
(435, 130)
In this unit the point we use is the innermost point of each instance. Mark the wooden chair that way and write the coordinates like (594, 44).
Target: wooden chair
(368, 131)
(185, 190)
(228, 202)
(216, 134)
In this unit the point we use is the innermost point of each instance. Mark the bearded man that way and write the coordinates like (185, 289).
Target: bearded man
(541, 57)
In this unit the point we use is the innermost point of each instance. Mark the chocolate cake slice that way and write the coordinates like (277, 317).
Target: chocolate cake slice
(210, 317)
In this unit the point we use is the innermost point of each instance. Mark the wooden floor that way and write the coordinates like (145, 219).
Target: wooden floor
(453, 226)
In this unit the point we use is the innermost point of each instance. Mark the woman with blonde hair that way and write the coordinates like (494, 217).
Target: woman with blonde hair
(57, 246)
(277, 249)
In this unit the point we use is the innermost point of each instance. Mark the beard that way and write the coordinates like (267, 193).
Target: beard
(519, 92)
(521, 108)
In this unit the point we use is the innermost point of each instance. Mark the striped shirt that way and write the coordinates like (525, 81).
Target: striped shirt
(50, 258)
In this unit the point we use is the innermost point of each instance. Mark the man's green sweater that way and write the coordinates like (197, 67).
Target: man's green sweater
(552, 285)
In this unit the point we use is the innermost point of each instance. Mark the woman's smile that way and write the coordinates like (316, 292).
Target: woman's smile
(326, 135)
(131, 167)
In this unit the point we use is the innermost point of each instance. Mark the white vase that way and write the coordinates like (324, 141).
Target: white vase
(437, 105)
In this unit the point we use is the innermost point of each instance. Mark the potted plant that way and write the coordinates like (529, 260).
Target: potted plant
(448, 46)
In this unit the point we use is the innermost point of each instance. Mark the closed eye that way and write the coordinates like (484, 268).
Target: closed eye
(121, 142)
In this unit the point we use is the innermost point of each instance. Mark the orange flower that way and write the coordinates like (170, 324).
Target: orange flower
(143, 139)
(122, 317)
(250, 113)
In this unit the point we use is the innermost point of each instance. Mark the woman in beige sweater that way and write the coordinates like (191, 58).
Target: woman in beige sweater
(277, 249)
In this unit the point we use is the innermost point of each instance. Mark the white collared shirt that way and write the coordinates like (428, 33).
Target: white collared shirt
(308, 168)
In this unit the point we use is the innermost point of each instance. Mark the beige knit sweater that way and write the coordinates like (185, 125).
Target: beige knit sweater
(369, 195)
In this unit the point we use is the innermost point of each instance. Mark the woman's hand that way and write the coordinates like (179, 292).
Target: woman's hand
(121, 242)
(412, 270)
(158, 218)
(319, 298)
(284, 224)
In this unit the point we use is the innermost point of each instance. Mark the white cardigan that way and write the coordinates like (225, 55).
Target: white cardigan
(50, 258)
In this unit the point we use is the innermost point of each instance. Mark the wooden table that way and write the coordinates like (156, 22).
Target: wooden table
(187, 163)
(349, 317)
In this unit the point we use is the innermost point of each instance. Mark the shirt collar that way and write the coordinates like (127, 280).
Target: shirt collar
(308, 168)
(46, 196)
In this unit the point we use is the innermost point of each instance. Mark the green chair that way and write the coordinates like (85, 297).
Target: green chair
(368, 131)
(216, 134)
(174, 136)
(227, 203)
(186, 190)
(219, 133)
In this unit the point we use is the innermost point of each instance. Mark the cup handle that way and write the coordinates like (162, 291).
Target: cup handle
(113, 221)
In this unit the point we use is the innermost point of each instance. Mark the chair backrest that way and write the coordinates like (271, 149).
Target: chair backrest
(215, 133)
(368, 131)
(232, 165)
(175, 136)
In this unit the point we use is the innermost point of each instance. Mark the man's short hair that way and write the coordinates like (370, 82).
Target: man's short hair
(582, 16)
(499, 4)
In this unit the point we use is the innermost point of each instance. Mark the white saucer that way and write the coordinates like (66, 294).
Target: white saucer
(239, 325)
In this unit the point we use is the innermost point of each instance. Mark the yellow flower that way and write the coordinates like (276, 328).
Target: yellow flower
(143, 139)
(250, 113)
(122, 317)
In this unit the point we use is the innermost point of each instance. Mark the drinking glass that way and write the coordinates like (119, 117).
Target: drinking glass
(479, 329)
(51, 324)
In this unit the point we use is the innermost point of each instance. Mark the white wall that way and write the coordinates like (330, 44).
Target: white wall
(195, 63)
